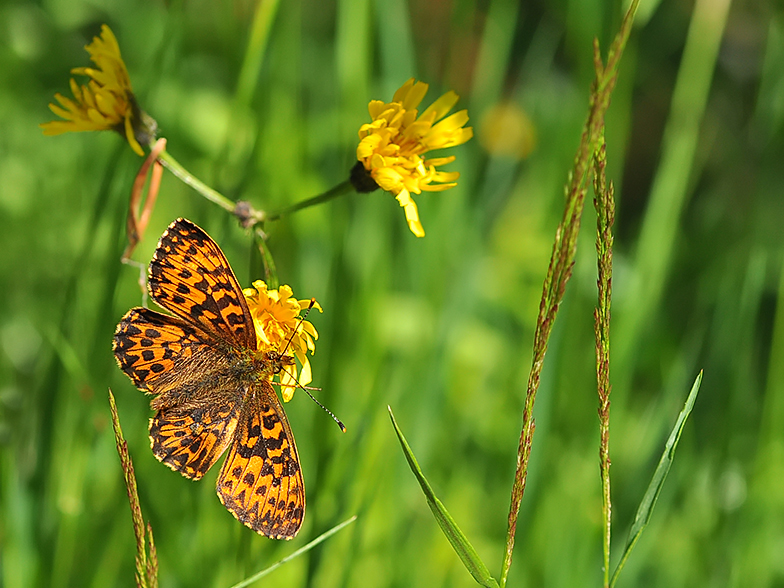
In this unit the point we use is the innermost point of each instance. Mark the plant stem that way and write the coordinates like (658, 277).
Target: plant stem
(270, 270)
(212, 195)
(339, 190)
(247, 214)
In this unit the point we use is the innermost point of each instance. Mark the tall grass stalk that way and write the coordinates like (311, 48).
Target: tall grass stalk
(604, 202)
(146, 564)
(562, 259)
(255, 51)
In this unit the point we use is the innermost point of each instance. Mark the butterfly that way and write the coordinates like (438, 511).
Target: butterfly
(211, 385)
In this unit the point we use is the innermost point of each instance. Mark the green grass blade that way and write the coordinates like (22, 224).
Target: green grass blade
(456, 537)
(300, 551)
(675, 178)
(255, 51)
(645, 510)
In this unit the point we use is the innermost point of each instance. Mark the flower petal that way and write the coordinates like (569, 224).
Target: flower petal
(414, 96)
(440, 107)
(131, 138)
(106, 102)
(402, 92)
(412, 213)
(279, 327)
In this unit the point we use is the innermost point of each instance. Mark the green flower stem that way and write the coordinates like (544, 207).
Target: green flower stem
(251, 216)
(215, 197)
(270, 270)
(339, 190)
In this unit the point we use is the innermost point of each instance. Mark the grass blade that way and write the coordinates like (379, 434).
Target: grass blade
(255, 51)
(300, 551)
(645, 510)
(675, 179)
(456, 537)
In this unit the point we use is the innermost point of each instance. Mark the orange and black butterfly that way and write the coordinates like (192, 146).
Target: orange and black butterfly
(211, 385)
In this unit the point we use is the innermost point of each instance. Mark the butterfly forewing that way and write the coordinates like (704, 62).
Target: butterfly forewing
(261, 482)
(190, 276)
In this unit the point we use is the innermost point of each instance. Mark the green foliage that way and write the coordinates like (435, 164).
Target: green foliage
(456, 537)
(323, 537)
(645, 510)
(441, 328)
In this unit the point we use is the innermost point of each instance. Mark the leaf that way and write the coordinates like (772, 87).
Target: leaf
(456, 537)
(645, 510)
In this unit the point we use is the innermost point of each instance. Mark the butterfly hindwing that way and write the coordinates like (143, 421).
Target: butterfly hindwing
(190, 438)
(261, 482)
(190, 276)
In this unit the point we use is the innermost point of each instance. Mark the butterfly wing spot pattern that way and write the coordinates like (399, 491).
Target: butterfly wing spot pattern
(261, 482)
(146, 342)
(192, 446)
(211, 388)
(190, 276)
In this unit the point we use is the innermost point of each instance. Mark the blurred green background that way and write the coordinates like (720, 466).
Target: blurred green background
(439, 328)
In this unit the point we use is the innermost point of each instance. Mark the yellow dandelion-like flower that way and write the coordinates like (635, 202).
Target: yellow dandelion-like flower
(106, 102)
(391, 148)
(276, 318)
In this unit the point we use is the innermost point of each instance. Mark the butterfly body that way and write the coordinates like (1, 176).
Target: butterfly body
(210, 384)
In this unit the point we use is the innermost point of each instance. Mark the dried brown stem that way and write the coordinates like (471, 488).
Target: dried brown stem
(146, 567)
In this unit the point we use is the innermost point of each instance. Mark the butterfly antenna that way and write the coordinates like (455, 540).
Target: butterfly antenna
(288, 343)
(329, 412)
(307, 390)
(296, 329)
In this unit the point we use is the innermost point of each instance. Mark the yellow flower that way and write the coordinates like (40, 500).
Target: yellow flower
(391, 148)
(276, 318)
(106, 102)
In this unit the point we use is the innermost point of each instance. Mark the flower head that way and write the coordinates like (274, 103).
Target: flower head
(276, 318)
(391, 148)
(106, 102)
